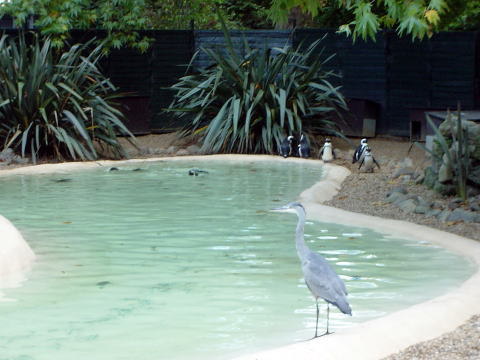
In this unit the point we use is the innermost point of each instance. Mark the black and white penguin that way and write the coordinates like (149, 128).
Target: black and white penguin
(357, 155)
(326, 151)
(286, 148)
(195, 172)
(303, 147)
(368, 161)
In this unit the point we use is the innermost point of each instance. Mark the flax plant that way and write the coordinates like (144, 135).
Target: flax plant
(56, 105)
(247, 104)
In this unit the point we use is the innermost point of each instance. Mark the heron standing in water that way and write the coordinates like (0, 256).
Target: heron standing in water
(321, 279)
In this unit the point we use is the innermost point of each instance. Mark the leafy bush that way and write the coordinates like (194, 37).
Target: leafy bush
(248, 104)
(56, 105)
(455, 155)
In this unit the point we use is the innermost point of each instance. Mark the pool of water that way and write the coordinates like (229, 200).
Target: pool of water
(157, 264)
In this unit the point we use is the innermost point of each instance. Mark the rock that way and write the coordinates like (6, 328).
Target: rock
(399, 189)
(194, 149)
(144, 150)
(8, 156)
(421, 209)
(405, 163)
(430, 177)
(171, 150)
(405, 179)
(444, 189)
(418, 172)
(452, 205)
(433, 212)
(443, 216)
(182, 152)
(408, 205)
(160, 151)
(396, 196)
(473, 191)
(403, 171)
(420, 178)
(406, 197)
(474, 205)
(462, 215)
(437, 205)
(423, 202)
(445, 173)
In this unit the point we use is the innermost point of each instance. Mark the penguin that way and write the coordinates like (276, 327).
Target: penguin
(286, 149)
(195, 172)
(357, 155)
(326, 151)
(303, 147)
(368, 161)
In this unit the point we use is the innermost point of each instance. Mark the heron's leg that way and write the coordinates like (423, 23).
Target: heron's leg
(328, 318)
(316, 324)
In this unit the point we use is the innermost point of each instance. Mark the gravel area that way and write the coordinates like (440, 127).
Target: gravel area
(366, 192)
(463, 343)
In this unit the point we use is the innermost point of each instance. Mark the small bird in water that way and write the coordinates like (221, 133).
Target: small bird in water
(357, 155)
(195, 172)
(303, 147)
(322, 281)
(326, 151)
(286, 148)
(368, 161)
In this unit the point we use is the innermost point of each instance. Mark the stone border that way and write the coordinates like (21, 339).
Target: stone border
(376, 338)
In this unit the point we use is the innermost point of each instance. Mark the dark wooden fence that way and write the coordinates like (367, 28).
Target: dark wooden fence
(260, 39)
(402, 76)
(145, 78)
(397, 75)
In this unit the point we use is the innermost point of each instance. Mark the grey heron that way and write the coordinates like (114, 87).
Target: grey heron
(321, 279)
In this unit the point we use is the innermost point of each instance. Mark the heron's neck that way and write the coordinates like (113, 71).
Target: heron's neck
(299, 235)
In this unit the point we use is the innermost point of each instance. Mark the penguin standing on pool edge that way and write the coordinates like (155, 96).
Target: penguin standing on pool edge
(357, 155)
(368, 161)
(326, 151)
(286, 148)
(303, 147)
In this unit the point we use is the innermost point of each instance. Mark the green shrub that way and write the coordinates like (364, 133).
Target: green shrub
(247, 104)
(56, 105)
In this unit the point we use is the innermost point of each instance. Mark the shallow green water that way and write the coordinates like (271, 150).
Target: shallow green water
(156, 264)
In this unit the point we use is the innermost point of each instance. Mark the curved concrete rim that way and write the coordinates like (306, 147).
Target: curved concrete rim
(373, 339)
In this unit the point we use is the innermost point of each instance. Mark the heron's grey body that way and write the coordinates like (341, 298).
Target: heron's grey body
(321, 279)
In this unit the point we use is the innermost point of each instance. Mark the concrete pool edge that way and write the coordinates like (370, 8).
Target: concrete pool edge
(373, 339)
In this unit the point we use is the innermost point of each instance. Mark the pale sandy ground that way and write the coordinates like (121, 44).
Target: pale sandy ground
(389, 334)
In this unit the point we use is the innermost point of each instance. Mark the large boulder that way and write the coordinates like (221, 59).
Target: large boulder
(16, 256)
